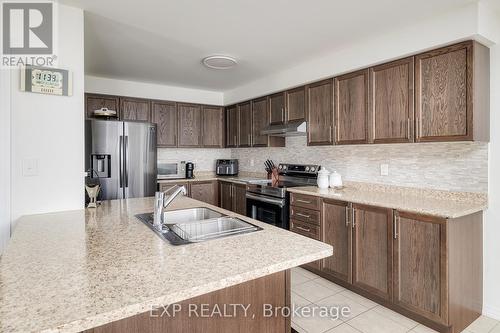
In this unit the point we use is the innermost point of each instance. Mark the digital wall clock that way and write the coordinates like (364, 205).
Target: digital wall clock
(45, 80)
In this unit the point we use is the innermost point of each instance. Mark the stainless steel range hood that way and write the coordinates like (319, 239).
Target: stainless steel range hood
(295, 128)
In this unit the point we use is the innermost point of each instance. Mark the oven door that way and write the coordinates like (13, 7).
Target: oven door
(268, 209)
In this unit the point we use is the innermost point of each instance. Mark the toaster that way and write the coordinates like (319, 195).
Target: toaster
(226, 167)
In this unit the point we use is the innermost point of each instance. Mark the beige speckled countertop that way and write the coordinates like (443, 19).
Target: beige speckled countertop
(422, 201)
(71, 271)
(242, 178)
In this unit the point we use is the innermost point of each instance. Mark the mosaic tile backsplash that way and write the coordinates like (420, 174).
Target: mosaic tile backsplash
(453, 166)
(203, 159)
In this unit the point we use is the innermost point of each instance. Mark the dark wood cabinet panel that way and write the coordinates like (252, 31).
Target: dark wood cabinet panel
(420, 271)
(296, 104)
(189, 125)
(245, 135)
(319, 105)
(239, 199)
(277, 108)
(213, 127)
(165, 186)
(232, 126)
(164, 115)
(391, 102)
(205, 191)
(372, 250)
(135, 109)
(226, 195)
(351, 108)
(260, 119)
(444, 102)
(95, 102)
(337, 232)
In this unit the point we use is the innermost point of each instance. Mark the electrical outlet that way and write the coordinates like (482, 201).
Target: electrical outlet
(384, 169)
(30, 167)
(252, 162)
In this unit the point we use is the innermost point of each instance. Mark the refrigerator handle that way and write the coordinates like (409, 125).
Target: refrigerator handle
(125, 153)
(120, 153)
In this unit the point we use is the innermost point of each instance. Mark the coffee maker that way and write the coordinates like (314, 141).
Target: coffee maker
(189, 170)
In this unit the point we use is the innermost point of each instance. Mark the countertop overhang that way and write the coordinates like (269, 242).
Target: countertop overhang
(71, 271)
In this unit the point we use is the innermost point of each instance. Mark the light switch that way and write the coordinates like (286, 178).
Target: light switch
(30, 167)
(384, 169)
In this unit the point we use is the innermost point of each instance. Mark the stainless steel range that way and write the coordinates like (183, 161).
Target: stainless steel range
(269, 202)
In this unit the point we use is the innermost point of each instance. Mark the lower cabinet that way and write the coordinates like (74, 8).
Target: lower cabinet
(165, 186)
(205, 191)
(233, 197)
(425, 267)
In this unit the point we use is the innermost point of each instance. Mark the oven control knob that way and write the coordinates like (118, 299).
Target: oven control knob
(284, 167)
(307, 168)
(280, 167)
(313, 169)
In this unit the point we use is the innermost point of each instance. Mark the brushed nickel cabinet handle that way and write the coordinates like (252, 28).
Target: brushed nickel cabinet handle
(353, 220)
(303, 215)
(303, 201)
(303, 229)
(235, 142)
(347, 216)
(408, 132)
(395, 225)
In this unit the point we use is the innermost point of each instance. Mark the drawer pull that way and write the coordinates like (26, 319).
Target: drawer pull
(347, 216)
(304, 201)
(303, 215)
(303, 229)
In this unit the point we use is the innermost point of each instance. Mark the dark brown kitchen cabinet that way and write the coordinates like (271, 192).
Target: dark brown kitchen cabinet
(337, 231)
(233, 197)
(372, 249)
(391, 102)
(95, 102)
(205, 191)
(295, 104)
(165, 186)
(277, 108)
(164, 115)
(225, 195)
(245, 124)
(135, 109)
(319, 105)
(213, 126)
(351, 108)
(189, 125)
(260, 119)
(232, 126)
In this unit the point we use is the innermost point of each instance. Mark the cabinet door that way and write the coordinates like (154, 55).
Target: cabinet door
(135, 109)
(420, 271)
(213, 126)
(337, 232)
(245, 135)
(205, 191)
(226, 195)
(277, 108)
(260, 119)
(232, 126)
(391, 102)
(95, 102)
(296, 104)
(319, 104)
(351, 108)
(164, 115)
(443, 82)
(239, 199)
(372, 250)
(189, 125)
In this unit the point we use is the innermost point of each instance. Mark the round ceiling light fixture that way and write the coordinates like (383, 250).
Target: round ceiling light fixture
(219, 62)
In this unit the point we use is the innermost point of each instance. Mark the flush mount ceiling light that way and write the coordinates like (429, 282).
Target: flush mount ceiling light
(219, 62)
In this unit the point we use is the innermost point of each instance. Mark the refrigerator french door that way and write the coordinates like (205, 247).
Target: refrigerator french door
(123, 156)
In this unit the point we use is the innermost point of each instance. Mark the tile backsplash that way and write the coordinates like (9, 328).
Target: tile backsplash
(203, 159)
(453, 166)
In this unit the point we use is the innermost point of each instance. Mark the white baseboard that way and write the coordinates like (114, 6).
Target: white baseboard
(491, 311)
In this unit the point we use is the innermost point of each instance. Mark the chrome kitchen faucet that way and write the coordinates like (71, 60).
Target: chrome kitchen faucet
(162, 200)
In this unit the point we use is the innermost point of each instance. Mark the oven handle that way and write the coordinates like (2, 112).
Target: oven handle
(276, 202)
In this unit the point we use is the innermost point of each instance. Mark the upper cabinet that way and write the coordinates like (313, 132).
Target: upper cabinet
(95, 102)
(451, 84)
(135, 109)
(213, 126)
(164, 115)
(319, 105)
(277, 108)
(260, 119)
(296, 104)
(189, 125)
(245, 135)
(391, 102)
(232, 126)
(351, 108)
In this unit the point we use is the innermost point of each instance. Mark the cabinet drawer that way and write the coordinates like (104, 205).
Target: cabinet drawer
(305, 201)
(305, 229)
(305, 215)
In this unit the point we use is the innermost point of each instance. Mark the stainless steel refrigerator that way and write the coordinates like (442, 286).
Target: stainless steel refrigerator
(121, 156)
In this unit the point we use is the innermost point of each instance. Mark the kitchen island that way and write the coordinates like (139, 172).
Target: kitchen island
(79, 270)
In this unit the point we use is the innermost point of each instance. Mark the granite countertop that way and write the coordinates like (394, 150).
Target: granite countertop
(422, 201)
(242, 178)
(71, 271)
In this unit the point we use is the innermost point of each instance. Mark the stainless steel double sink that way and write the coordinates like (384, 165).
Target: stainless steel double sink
(199, 224)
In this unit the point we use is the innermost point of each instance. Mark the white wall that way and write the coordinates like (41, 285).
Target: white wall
(94, 84)
(5, 160)
(50, 129)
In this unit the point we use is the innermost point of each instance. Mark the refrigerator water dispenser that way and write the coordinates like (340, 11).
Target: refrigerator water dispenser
(101, 165)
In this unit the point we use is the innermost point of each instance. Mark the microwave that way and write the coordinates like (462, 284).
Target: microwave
(171, 170)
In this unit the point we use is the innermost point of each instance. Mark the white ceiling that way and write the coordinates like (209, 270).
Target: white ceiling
(163, 41)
